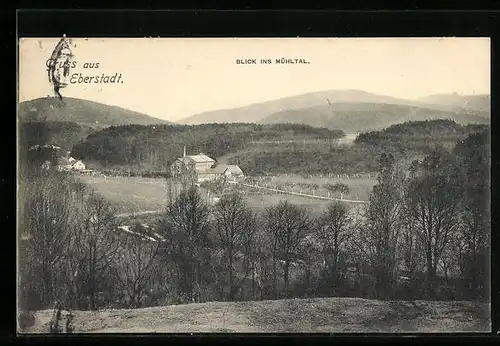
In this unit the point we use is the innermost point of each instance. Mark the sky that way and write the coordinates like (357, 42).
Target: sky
(174, 78)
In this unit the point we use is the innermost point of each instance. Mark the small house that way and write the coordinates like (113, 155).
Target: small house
(78, 165)
(203, 168)
(64, 164)
(233, 172)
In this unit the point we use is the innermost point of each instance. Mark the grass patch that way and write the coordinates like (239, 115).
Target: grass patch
(136, 194)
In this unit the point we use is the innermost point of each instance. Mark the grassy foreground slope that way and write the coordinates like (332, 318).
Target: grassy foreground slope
(348, 315)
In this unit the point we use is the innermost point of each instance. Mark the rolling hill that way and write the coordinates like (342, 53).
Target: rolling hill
(358, 117)
(478, 103)
(348, 110)
(61, 133)
(258, 111)
(65, 123)
(82, 112)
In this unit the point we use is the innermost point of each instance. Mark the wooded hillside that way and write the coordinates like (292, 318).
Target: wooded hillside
(157, 146)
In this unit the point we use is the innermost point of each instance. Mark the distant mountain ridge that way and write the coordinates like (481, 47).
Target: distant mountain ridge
(360, 117)
(351, 110)
(258, 111)
(480, 103)
(82, 112)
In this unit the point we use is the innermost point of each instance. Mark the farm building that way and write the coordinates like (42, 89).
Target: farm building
(202, 168)
(70, 164)
(234, 172)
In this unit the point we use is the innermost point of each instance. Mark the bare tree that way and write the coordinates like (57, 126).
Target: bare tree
(287, 225)
(136, 264)
(411, 249)
(262, 275)
(383, 227)
(333, 231)
(172, 188)
(474, 156)
(433, 198)
(94, 247)
(234, 227)
(309, 253)
(185, 227)
(45, 224)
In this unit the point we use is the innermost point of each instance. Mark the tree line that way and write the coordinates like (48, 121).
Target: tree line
(413, 134)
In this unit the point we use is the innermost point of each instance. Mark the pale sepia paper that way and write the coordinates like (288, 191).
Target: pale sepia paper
(256, 80)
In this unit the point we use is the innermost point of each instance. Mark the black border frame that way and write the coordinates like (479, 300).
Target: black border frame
(266, 23)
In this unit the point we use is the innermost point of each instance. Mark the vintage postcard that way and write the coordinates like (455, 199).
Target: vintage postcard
(264, 185)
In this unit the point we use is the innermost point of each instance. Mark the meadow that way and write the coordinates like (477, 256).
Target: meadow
(137, 194)
(130, 194)
(360, 188)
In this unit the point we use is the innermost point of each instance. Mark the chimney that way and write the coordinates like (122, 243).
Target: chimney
(184, 151)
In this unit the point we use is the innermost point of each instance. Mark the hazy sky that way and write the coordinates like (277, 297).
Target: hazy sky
(175, 78)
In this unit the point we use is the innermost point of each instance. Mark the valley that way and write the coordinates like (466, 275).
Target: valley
(295, 243)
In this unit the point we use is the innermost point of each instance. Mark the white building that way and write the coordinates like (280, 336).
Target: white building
(203, 168)
(70, 164)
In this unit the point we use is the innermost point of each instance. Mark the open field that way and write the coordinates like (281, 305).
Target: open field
(330, 315)
(130, 194)
(136, 194)
(360, 188)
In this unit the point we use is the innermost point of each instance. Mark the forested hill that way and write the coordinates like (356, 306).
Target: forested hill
(64, 134)
(406, 142)
(81, 112)
(412, 132)
(157, 146)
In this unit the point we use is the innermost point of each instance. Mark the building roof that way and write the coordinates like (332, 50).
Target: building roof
(219, 169)
(66, 162)
(234, 169)
(200, 158)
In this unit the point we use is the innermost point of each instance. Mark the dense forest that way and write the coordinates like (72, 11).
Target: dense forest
(423, 235)
(155, 147)
(309, 159)
(61, 133)
(417, 134)
(406, 141)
